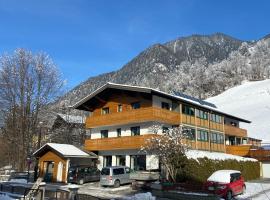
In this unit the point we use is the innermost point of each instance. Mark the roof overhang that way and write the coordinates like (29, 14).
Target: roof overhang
(153, 91)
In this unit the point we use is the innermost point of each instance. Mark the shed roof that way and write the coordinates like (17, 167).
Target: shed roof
(65, 150)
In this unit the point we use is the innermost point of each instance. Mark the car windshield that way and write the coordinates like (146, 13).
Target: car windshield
(105, 171)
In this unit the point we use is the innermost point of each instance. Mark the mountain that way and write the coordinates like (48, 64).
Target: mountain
(251, 100)
(199, 65)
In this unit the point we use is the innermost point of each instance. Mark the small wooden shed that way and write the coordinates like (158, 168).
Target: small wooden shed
(54, 161)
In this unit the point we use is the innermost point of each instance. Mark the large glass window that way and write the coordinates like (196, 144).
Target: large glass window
(121, 160)
(136, 105)
(188, 110)
(217, 138)
(135, 130)
(202, 114)
(107, 161)
(104, 133)
(202, 135)
(138, 162)
(216, 118)
(118, 171)
(190, 133)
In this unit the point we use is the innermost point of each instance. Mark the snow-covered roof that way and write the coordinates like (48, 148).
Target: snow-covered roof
(66, 150)
(222, 176)
(72, 118)
(193, 101)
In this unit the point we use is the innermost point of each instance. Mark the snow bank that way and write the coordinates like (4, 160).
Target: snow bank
(249, 101)
(141, 196)
(195, 154)
(6, 197)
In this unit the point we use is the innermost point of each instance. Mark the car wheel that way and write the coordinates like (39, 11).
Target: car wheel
(116, 183)
(81, 181)
(229, 195)
(244, 189)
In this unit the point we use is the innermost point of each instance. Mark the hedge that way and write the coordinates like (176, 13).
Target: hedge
(199, 170)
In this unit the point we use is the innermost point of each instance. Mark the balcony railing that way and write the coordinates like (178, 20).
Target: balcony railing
(117, 143)
(235, 131)
(134, 116)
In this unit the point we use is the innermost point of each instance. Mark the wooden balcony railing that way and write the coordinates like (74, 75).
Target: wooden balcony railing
(235, 131)
(239, 150)
(134, 116)
(260, 154)
(117, 143)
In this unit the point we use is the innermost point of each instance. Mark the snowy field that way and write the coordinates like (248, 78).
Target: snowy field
(256, 191)
(250, 101)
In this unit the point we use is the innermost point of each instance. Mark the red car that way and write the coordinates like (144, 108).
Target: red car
(226, 183)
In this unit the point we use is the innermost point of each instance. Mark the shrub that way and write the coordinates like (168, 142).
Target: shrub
(199, 170)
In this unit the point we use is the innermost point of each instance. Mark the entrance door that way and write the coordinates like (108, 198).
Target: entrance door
(49, 166)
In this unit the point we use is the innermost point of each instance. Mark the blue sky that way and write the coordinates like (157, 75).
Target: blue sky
(89, 37)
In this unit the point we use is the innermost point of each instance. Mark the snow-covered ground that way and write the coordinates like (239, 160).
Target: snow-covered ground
(6, 197)
(256, 191)
(251, 100)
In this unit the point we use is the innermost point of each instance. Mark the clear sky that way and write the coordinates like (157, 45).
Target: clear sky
(89, 37)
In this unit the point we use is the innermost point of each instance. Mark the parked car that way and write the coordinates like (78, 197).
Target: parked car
(83, 174)
(226, 183)
(115, 176)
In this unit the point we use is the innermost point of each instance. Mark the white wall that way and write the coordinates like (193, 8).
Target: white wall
(157, 101)
(125, 130)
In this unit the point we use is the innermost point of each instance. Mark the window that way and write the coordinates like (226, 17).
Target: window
(202, 135)
(202, 114)
(138, 162)
(121, 160)
(118, 171)
(119, 108)
(188, 110)
(216, 118)
(136, 105)
(105, 111)
(135, 130)
(118, 131)
(165, 129)
(107, 161)
(217, 138)
(165, 105)
(104, 133)
(191, 133)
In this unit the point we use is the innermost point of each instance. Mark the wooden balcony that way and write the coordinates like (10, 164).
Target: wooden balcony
(239, 150)
(134, 116)
(260, 154)
(235, 131)
(117, 143)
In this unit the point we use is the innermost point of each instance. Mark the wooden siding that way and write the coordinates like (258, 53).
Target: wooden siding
(216, 126)
(51, 156)
(235, 131)
(117, 143)
(188, 119)
(134, 116)
(136, 142)
(202, 122)
(260, 154)
(239, 150)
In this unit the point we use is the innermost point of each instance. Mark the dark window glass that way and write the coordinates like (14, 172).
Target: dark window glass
(202, 135)
(136, 105)
(165, 129)
(138, 162)
(165, 105)
(135, 130)
(188, 110)
(105, 171)
(118, 171)
(104, 133)
(191, 133)
(105, 110)
(118, 132)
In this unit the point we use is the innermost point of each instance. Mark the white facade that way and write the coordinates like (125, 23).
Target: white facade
(157, 101)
